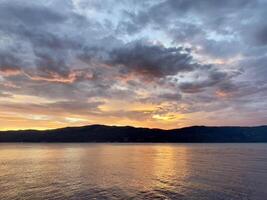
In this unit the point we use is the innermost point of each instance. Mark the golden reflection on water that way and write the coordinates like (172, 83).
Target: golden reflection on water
(142, 166)
(168, 164)
(121, 171)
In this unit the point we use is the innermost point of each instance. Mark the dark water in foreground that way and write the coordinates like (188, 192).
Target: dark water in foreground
(133, 171)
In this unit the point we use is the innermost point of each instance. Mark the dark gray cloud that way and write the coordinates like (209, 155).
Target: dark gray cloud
(152, 60)
(19, 12)
(214, 77)
(261, 35)
(170, 96)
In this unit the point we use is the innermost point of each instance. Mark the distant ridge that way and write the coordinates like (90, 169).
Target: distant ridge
(102, 133)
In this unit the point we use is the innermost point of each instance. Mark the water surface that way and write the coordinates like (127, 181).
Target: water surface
(133, 171)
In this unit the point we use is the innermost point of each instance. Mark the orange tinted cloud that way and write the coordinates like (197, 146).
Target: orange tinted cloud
(9, 71)
(71, 77)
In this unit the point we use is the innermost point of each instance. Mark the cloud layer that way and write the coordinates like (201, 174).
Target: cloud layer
(164, 64)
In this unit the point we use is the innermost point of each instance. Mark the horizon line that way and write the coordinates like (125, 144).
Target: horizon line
(121, 126)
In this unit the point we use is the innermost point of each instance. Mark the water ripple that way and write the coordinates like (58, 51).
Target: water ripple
(133, 171)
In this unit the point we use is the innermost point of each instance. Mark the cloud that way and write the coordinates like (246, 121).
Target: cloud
(67, 77)
(261, 35)
(9, 70)
(213, 78)
(170, 96)
(60, 107)
(151, 60)
(184, 56)
(3, 94)
(29, 14)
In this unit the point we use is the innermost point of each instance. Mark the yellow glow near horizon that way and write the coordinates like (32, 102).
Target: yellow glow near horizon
(28, 99)
(122, 105)
(27, 112)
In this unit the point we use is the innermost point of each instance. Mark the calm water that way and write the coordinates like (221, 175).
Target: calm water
(133, 171)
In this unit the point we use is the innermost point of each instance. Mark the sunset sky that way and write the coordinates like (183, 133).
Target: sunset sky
(149, 63)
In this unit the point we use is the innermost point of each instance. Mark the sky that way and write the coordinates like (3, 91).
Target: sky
(150, 63)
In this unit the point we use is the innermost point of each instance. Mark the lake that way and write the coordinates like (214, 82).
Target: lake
(133, 171)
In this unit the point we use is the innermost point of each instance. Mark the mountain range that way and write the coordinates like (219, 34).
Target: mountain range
(102, 133)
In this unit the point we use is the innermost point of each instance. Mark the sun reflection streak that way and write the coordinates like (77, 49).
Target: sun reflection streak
(166, 162)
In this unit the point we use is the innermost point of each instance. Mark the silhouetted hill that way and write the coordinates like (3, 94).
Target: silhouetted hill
(101, 133)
